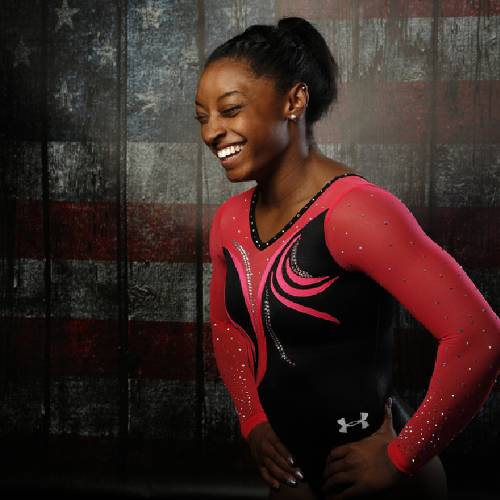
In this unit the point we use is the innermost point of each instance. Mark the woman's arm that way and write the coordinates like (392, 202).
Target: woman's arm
(370, 230)
(232, 348)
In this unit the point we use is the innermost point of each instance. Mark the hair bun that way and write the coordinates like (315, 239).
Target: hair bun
(293, 23)
(297, 29)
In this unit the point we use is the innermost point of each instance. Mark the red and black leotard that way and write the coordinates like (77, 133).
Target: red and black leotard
(302, 323)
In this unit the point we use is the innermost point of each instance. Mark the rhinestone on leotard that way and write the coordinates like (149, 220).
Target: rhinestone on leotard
(293, 261)
(261, 245)
(248, 272)
(277, 343)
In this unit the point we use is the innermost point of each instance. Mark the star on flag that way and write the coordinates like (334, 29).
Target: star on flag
(21, 54)
(151, 15)
(64, 15)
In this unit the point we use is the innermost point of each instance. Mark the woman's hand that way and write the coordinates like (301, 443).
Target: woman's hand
(273, 459)
(363, 465)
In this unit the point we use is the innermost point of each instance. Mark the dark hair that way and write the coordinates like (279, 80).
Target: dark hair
(293, 51)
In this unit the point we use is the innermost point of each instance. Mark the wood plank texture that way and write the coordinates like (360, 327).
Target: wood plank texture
(107, 194)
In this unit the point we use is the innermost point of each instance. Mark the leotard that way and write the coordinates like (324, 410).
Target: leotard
(302, 324)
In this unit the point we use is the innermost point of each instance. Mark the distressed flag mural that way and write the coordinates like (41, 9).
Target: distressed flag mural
(108, 192)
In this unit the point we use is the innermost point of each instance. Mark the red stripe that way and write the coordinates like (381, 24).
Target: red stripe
(159, 350)
(165, 233)
(78, 230)
(345, 9)
(459, 8)
(470, 234)
(468, 112)
(167, 350)
(401, 112)
(85, 231)
(158, 232)
(88, 347)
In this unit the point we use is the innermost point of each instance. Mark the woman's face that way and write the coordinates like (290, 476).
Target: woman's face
(235, 107)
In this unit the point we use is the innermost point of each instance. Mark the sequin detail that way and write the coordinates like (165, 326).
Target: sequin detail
(293, 262)
(261, 245)
(248, 272)
(277, 343)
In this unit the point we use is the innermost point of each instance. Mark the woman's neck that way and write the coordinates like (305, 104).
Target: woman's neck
(300, 174)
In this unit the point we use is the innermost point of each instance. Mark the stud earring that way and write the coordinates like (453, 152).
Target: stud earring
(293, 117)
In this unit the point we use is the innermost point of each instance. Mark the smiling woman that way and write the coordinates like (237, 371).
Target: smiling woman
(251, 114)
(306, 269)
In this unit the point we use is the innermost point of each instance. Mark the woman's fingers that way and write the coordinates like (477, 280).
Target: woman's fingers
(277, 472)
(282, 449)
(336, 466)
(271, 481)
(282, 462)
(272, 458)
(338, 452)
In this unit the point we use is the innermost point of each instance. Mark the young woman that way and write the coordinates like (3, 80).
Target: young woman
(307, 266)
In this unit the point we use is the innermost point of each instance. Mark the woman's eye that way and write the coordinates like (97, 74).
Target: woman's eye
(202, 119)
(230, 109)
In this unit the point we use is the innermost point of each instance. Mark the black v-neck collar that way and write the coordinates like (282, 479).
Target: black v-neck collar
(261, 245)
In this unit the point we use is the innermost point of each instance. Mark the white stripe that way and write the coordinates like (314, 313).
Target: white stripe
(466, 174)
(158, 291)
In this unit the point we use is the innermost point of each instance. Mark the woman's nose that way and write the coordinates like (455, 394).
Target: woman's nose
(212, 130)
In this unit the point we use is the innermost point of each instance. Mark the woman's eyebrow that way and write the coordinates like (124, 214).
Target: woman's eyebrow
(222, 96)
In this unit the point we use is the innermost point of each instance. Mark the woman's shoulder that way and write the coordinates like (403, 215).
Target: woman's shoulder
(339, 175)
(233, 207)
(341, 179)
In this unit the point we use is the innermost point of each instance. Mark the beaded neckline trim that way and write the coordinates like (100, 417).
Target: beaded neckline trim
(261, 245)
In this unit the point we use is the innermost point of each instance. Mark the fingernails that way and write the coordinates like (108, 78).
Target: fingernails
(290, 459)
(299, 474)
(389, 402)
(292, 481)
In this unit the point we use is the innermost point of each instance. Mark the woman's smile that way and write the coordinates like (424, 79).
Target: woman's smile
(233, 154)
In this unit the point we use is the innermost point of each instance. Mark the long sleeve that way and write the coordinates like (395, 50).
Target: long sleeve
(370, 230)
(232, 348)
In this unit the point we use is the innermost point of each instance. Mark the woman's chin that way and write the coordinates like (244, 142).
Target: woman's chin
(237, 175)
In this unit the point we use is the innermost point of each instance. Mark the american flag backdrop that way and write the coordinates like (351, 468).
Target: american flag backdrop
(108, 192)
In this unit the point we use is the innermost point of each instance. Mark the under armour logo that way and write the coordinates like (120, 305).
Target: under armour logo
(362, 421)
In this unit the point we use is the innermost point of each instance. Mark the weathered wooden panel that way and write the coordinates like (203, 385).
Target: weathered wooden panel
(22, 292)
(340, 9)
(163, 62)
(82, 105)
(401, 112)
(468, 48)
(82, 406)
(82, 70)
(22, 60)
(112, 191)
(163, 409)
(395, 49)
(162, 291)
(82, 171)
(161, 172)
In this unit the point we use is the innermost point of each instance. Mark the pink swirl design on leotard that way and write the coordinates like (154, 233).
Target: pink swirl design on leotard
(300, 292)
(313, 289)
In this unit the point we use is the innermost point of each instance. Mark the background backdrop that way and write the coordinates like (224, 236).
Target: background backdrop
(107, 194)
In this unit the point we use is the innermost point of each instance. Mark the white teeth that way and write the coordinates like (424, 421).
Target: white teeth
(229, 150)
